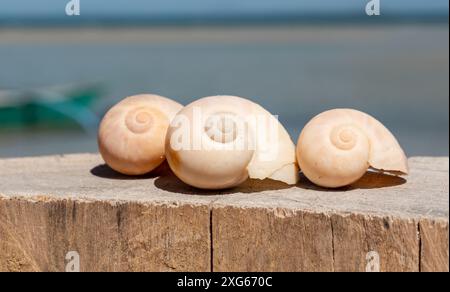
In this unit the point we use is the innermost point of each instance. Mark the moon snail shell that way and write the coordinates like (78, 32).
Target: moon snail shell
(338, 146)
(230, 140)
(132, 134)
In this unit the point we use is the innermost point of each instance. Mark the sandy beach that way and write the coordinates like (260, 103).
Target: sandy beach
(217, 34)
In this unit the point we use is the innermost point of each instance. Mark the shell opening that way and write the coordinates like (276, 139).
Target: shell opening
(139, 120)
(221, 127)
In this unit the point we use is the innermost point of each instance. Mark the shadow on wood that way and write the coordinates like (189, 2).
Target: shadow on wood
(166, 180)
(104, 171)
(173, 184)
(371, 180)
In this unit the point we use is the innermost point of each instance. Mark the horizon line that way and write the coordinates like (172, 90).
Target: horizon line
(221, 19)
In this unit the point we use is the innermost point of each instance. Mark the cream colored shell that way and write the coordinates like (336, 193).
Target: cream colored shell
(132, 134)
(338, 146)
(227, 144)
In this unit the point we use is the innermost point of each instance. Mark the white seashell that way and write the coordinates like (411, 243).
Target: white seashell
(132, 134)
(337, 147)
(220, 141)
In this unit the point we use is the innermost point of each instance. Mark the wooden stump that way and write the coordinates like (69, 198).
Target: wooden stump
(51, 206)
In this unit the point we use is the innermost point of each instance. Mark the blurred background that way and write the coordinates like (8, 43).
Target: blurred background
(59, 73)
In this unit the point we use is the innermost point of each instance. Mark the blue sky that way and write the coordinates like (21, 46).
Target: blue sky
(23, 8)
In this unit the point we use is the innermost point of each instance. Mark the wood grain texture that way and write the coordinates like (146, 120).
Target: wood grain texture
(36, 236)
(264, 240)
(434, 245)
(395, 241)
(52, 205)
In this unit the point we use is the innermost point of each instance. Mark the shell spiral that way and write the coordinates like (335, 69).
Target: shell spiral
(337, 147)
(140, 120)
(132, 133)
(213, 144)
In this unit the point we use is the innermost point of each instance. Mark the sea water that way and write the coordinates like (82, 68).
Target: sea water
(398, 73)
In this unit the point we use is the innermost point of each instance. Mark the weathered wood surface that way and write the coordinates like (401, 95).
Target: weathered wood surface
(52, 205)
